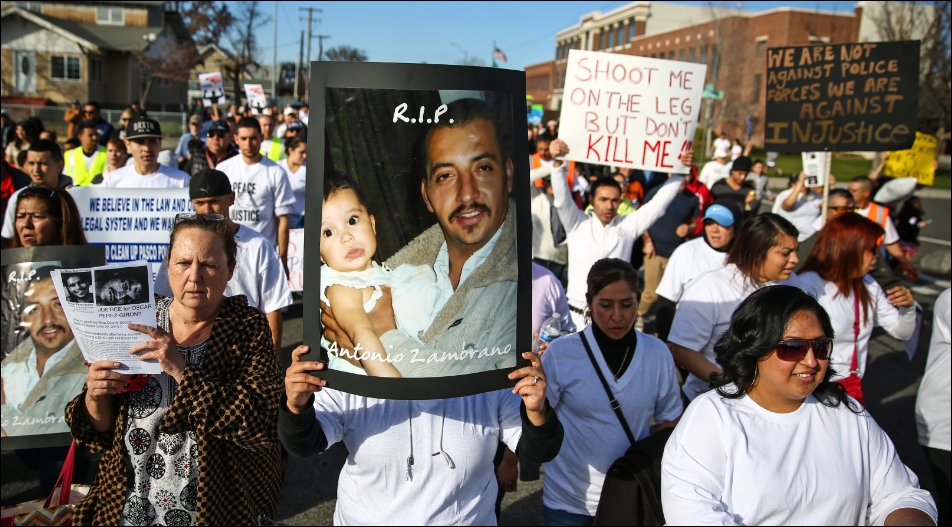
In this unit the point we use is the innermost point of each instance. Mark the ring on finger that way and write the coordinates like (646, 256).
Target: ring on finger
(536, 381)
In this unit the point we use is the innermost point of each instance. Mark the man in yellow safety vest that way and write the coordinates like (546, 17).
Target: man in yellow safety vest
(862, 190)
(271, 147)
(86, 163)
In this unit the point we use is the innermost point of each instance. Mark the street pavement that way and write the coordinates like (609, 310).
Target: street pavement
(309, 493)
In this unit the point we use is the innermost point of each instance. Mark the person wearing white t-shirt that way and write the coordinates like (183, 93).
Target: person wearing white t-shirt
(862, 190)
(694, 258)
(264, 200)
(144, 140)
(934, 405)
(836, 274)
(721, 143)
(640, 374)
(259, 273)
(295, 166)
(717, 169)
(777, 442)
(44, 164)
(764, 253)
(801, 205)
(601, 233)
(548, 298)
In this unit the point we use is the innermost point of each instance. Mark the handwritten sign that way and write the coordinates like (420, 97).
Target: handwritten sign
(213, 91)
(915, 162)
(133, 224)
(634, 112)
(296, 259)
(256, 98)
(854, 97)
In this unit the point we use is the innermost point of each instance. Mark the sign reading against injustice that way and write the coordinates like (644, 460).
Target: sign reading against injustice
(628, 111)
(855, 97)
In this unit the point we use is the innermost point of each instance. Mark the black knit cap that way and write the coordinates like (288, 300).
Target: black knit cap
(209, 183)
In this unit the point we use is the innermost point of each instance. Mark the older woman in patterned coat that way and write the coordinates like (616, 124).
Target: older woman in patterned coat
(198, 444)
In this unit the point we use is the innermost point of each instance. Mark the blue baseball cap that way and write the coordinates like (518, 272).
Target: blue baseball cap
(719, 213)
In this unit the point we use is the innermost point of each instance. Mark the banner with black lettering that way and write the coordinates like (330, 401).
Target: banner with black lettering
(131, 223)
(842, 97)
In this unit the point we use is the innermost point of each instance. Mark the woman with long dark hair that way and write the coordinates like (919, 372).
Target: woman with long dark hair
(46, 215)
(763, 253)
(640, 374)
(836, 273)
(777, 441)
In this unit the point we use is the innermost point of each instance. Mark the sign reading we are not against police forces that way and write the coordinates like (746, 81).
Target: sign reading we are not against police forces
(853, 97)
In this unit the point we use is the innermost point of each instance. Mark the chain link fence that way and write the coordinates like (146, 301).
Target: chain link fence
(173, 124)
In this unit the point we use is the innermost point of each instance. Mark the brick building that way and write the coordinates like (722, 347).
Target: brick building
(732, 43)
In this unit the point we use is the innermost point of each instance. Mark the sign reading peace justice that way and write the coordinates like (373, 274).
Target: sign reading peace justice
(856, 97)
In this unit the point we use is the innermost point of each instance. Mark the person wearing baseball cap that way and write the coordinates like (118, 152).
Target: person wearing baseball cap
(716, 169)
(195, 131)
(144, 141)
(736, 187)
(694, 258)
(296, 129)
(259, 273)
(218, 147)
(290, 115)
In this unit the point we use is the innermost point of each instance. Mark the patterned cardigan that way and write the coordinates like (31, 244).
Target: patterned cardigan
(231, 403)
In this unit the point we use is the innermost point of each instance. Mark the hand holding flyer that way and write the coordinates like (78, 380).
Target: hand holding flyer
(114, 297)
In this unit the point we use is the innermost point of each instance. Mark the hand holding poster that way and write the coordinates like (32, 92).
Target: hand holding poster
(917, 162)
(814, 165)
(835, 97)
(113, 297)
(256, 98)
(628, 111)
(213, 91)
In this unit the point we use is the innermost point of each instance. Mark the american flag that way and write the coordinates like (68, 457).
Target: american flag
(499, 55)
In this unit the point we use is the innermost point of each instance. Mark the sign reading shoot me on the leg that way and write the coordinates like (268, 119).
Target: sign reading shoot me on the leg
(417, 251)
(634, 112)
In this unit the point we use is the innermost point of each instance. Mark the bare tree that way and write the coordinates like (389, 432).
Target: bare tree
(345, 54)
(244, 44)
(169, 59)
(729, 51)
(207, 22)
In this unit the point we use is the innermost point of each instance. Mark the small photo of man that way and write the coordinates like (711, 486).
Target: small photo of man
(78, 287)
(122, 286)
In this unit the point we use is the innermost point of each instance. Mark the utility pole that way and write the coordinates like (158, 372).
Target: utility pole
(320, 45)
(310, 20)
(297, 72)
(274, 57)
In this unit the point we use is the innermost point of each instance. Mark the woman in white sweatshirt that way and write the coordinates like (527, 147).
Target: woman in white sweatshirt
(835, 273)
(777, 442)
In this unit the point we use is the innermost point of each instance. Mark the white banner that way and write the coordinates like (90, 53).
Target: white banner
(296, 259)
(213, 91)
(256, 98)
(629, 111)
(133, 223)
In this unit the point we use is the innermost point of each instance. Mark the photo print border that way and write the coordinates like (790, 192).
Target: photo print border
(387, 76)
(73, 256)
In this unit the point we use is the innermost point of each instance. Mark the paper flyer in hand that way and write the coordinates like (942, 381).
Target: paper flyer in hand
(100, 302)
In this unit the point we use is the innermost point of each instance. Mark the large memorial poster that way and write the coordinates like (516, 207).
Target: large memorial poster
(422, 173)
(42, 367)
(131, 223)
(842, 97)
(628, 111)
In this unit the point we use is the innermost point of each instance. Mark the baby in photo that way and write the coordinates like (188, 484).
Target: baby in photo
(351, 281)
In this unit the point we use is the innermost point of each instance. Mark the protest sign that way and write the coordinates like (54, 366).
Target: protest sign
(133, 224)
(213, 91)
(917, 162)
(814, 165)
(628, 111)
(115, 296)
(296, 259)
(441, 123)
(256, 98)
(35, 330)
(842, 97)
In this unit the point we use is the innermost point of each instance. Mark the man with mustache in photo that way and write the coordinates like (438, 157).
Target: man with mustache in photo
(45, 371)
(467, 184)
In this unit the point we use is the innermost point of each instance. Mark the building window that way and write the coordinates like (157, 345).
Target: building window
(631, 29)
(110, 15)
(603, 40)
(611, 37)
(95, 70)
(162, 82)
(692, 56)
(33, 7)
(761, 47)
(681, 54)
(755, 91)
(704, 54)
(671, 55)
(64, 68)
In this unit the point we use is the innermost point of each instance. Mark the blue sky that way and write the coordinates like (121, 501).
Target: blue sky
(423, 31)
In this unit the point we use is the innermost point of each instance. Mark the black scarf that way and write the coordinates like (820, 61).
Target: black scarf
(614, 351)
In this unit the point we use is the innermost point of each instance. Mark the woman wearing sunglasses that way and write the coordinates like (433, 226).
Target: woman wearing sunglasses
(777, 441)
(764, 253)
(46, 215)
(836, 272)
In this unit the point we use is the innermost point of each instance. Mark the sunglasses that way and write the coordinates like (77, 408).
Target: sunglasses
(217, 135)
(39, 192)
(843, 209)
(795, 350)
(190, 216)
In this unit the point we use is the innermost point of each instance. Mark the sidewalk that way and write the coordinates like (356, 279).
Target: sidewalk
(778, 184)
